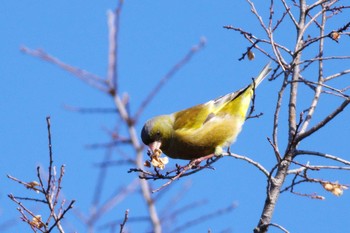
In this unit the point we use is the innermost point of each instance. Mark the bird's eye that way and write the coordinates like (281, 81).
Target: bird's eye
(158, 135)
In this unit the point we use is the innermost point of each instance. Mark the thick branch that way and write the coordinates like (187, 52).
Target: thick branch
(275, 183)
(139, 163)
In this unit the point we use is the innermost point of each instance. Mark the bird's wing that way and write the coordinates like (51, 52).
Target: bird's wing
(196, 117)
(232, 104)
(192, 118)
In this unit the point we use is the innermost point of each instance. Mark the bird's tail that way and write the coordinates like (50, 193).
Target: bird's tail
(263, 74)
(231, 96)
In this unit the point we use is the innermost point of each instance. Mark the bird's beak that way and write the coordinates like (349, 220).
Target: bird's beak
(155, 145)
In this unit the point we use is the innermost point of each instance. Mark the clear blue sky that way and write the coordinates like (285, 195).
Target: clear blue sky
(154, 35)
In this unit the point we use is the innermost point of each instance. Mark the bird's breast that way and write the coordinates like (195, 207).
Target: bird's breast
(195, 143)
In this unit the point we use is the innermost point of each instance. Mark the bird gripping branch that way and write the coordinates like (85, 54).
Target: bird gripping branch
(203, 129)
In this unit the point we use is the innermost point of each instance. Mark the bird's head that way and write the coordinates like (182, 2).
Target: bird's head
(157, 132)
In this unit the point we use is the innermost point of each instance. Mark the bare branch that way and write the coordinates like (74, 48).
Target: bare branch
(323, 155)
(48, 122)
(30, 199)
(100, 184)
(255, 12)
(254, 41)
(22, 207)
(89, 78)
(279, 21)
(189, 166)
(122, 225)
(31, 185)
(169, 75)
(318, 58)
(182, 210)
(275, 149)
(179, 171)
(336, 75)
(57, 221)
(290, 13)
(249, 160)
(50, 191)
(313, 19)
(112, 202)
(89, 110)
(325, 121)
(318, 90)
(315, 4)
(113, 27)
(203, 218)
(279, 227)
(321, 84)
(276, 116)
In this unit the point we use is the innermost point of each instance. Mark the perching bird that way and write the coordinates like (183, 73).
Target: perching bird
(203, 129)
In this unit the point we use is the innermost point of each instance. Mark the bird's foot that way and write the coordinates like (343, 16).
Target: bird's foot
(195, 162)
(229, 150)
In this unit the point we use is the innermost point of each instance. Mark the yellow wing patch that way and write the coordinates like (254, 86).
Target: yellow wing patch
(230, 104)
(193, 118)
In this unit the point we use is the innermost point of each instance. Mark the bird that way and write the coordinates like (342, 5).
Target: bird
(203, 129)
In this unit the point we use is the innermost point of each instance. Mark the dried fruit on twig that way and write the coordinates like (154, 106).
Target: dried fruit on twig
(251, 55)
(335, 35)
(147, 163)
(36, 222)
(335, 188)
(157, 161)
(33, 185)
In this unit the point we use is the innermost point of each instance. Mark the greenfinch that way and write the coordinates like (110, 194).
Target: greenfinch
(203, 129)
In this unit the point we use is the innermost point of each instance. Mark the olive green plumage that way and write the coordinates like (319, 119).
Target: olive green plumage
(203, 129)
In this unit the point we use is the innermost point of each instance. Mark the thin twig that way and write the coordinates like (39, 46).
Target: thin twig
(276, 116)
(254, 40)
(323, 155)
(290, 13)
(101, 179)
(321, 84)
(275, 149)
(333, 76)
(318, 58)
(27, 185)
(112, 202)
(57, 221)
(89, 78)
(315, 4)
(31, 199)
(126, 217)
(169, 75)
(325, 121)
(201, 219)
(89, 110)
(189, 166)
(25, 218)
(113, 27)
(279, 227)
(249, 160)
(48, 122)
(182, 210)
(318, 90)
